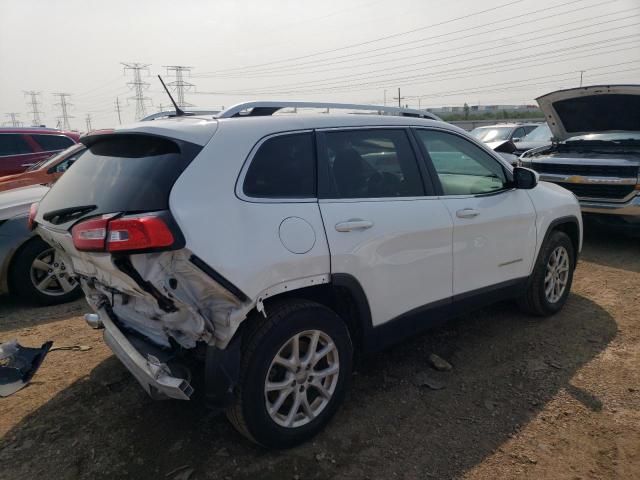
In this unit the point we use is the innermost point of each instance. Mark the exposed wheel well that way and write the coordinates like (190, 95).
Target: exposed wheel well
(338, 298)
(570, 227)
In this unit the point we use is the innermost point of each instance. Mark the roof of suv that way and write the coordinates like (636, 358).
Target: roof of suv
(199, 129)
(37, 130)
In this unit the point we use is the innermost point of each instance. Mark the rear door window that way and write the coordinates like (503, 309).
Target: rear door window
(370, 163)
(13, 144)
(284, 166)
(52, 142)
(121, 173)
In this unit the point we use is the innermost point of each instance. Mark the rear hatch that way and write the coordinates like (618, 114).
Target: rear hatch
(109, 216)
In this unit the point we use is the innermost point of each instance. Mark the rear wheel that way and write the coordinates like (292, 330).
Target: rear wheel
(296, 367)
(550, 283)
(38, 275)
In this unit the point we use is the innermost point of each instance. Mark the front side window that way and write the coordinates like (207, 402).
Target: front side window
(50, 143)
(13, 144)
(371, 164)
(462, 167)
(283, 167)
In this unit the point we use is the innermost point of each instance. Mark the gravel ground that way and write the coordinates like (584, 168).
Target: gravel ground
(526, 398)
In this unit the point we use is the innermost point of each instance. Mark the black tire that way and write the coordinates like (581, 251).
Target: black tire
(534, 301)
(261, 343)
(20, 281)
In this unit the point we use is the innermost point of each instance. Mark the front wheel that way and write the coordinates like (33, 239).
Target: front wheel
(550, 283)
(296, 368)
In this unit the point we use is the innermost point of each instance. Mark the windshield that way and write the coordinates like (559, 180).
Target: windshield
(119, 173)
(491, 134)
(538, 134)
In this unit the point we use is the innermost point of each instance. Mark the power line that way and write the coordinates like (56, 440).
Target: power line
(63, 119)
(510, 24)
(179, 84)
(447, 61)
(33, 104)
(14, 122)
(138, 86)
(448, 49)
(379, 39)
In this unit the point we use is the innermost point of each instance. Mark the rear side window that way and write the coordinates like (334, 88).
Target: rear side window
(283, 167)
(121, 173)
(371, 164)
(13, 144)
(52, 142)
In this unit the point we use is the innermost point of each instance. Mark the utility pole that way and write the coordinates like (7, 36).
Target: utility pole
(399, 98)
(581, 73)
(385, 97)
(87, 120)
(138, 86)
(33, 103)
(14, 119)
(64, 110)
(118, 110)
(179, 84)
(160, 108)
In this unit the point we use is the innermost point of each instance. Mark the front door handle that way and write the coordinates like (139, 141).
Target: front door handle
(353, 224)
(467, 213)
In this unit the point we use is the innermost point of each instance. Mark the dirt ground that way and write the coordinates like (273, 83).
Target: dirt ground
(527, 398)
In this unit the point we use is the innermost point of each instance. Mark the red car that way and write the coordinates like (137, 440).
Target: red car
(21, 148)
(45, 172)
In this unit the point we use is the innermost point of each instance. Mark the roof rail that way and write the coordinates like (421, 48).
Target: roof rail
(266, 108)
(172, 113)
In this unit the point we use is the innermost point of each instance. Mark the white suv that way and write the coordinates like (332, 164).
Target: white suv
(265, 251)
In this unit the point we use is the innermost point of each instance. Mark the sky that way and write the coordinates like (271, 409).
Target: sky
(438, 52)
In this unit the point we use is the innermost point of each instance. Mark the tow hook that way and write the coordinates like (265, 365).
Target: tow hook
(93, 320)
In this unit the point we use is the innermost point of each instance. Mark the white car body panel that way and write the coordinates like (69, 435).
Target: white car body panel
(497, 244)
(403, 261)
(17, 201)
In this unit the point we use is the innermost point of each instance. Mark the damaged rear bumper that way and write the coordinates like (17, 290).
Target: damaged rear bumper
(155, 376)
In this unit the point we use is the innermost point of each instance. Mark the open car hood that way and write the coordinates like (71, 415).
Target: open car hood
(594, 109)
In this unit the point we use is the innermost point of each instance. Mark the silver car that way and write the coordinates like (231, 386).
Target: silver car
(29, 267)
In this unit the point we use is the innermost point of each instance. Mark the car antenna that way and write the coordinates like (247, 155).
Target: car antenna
(179, 111)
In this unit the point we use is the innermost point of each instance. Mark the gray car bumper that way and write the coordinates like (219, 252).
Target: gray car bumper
(154, 376)
(630, 208)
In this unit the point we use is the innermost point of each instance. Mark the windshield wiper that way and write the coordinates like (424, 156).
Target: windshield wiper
(67, 212)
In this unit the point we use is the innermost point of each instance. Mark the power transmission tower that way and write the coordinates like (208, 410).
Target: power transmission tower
(14, 119)
(33, 103)
(399, 98)
(118, 110)
(64, 105)
(87, 120)
(179, 83)
(138, 86)
(581, 74)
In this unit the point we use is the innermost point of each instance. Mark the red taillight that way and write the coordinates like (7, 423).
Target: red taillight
(90, 235)
(138, 233)
(122, 234)
(31, 220)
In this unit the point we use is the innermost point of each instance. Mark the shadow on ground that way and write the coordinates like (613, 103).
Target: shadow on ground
(506, 367)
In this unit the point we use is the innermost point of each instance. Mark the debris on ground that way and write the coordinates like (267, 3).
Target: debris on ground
(73, 348)
(18, 364)
(439, 363)
(424, 380)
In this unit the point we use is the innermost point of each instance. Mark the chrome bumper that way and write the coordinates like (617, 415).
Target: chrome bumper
(629, 208)
(154, 376)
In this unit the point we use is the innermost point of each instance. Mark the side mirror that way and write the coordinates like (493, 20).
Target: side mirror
(524, 178)
(516, 139)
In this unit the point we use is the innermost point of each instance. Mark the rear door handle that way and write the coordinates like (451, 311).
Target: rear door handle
(353, 224)
(27, 164)
(467, 213)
